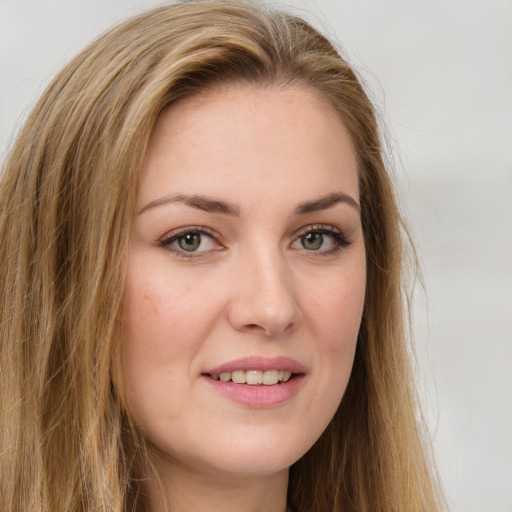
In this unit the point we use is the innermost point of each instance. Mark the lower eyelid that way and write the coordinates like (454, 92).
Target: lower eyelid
(338, 241)
(168, 240)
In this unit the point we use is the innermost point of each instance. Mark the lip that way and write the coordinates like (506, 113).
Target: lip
(258, 363)
(259, 396)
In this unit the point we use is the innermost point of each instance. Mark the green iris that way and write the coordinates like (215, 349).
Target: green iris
(189, 242)
(312, 241)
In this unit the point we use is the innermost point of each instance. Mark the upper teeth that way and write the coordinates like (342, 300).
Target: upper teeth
(254, 377)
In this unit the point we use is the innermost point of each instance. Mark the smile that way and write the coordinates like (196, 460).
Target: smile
(254, 377)
(257, 382)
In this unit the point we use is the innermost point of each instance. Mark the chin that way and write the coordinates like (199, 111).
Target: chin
(251, 464)
(249, 454)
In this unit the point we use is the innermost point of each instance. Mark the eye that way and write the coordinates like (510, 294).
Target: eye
(322, 239)
(189, 241)
(312, 241)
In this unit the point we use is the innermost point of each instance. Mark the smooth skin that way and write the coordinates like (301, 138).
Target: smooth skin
(247, 243)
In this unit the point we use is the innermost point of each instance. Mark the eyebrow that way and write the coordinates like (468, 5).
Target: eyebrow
(211, 205)
(204, 203)
(325, 202)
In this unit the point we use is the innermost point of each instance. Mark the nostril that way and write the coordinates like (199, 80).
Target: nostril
(256, 328)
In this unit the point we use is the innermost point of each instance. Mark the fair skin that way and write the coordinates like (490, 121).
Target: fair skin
(247, 255)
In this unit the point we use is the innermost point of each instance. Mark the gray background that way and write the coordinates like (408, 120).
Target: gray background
(440, 72)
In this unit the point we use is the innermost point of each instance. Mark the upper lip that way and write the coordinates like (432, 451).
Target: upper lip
(258, 363)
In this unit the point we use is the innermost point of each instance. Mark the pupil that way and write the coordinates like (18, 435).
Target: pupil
(190, 242)
(313, 241)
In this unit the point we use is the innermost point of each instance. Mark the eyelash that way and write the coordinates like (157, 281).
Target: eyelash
(339, 239)
(167, 241)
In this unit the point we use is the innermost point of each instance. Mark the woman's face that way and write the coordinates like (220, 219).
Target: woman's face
(247, 264)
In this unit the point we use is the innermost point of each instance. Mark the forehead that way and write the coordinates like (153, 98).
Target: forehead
(246, 137)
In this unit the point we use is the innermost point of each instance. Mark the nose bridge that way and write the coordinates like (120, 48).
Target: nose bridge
(265, 298)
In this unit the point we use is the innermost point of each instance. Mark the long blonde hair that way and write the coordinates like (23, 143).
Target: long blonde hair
(67, 197)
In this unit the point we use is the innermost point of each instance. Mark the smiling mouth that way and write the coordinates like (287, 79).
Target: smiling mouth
(254, 377)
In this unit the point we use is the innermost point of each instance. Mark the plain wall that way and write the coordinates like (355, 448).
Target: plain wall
(441, 75)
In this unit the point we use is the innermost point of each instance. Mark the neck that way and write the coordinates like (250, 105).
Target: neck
(185, 489)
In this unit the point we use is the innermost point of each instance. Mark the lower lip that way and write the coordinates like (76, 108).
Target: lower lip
(260, 395)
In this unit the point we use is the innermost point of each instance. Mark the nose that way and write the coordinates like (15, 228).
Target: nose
(264, 299)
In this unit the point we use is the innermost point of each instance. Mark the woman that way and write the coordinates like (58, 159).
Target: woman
(201, 302)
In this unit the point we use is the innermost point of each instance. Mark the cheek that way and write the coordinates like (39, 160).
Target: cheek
(336, 310)
(148, 322)
(164, 315)
(161, 334)
(334, 315)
